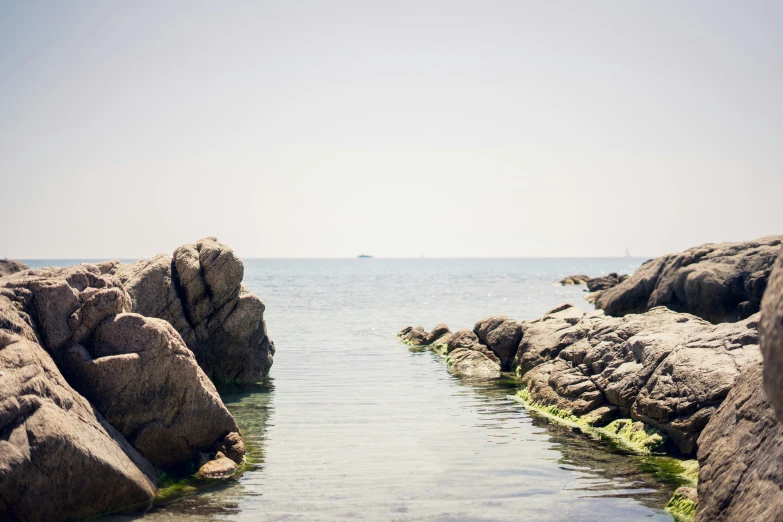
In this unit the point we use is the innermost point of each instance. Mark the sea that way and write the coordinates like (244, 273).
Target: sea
(354, 425)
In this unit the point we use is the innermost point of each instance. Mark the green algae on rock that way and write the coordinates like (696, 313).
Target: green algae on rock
(683, 504)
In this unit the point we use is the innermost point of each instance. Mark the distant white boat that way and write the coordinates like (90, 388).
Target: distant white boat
(627, 252)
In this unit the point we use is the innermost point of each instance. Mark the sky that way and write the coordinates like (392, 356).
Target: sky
(441, 128)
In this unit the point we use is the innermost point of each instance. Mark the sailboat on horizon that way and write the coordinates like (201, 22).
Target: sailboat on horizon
(627, 252)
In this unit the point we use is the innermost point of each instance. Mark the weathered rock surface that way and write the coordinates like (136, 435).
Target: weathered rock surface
(717, 282)
(596, 284)
(771, 334)
(577, 279)
(220, 467)
(199, 292)
(59, 458)
(501, 335)
(741, 457)
(126, 369)
(9, 266)
(667, 369)
(69, 335)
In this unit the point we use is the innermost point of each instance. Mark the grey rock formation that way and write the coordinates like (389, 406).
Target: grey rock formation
(741, 456)
(771, 334)
(59, 458)
(501, 335)
(577, 279)
(667, 369)
(717, 282)
(68, 335)
(199, 292)
(605, 282)
(9, 266)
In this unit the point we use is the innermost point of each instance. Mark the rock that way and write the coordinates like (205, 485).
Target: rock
(717, 282)
(199, 292)
(771, 334)
(58, 457)
(579, 279)
(668, 370)
(127, 366)
(437, 332)
(233, 447)
(220, 467)
(606, 282)
(9, 266)
(740, 456)
(461, 339)
(683, 503)
(501, 335)
(473, 363)
(417, 336)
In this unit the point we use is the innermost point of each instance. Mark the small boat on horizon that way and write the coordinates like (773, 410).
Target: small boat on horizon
(364, 256)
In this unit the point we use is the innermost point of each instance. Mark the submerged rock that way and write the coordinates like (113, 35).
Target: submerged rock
(220, 467)
(717, 282)
(10, 266)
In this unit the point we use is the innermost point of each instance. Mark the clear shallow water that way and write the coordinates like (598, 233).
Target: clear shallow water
(357, 426)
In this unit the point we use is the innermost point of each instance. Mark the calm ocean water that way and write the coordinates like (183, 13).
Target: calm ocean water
(355, 426)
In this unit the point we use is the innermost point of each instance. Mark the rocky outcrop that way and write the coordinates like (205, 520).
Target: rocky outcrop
(717, 282)
(9, 266)
(199, 292)
(740, 456)
(577, 279)
(665, 369)
(597, 284)
(771, 333)
(59, 458)
(94, 395)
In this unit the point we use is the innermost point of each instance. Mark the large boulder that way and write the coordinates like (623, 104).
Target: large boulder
(667, 369)
(127, 366)
(596, 284)
(10, 266)
(501, 335)
(59, 458)
(741, 456)
(771, 334)
(199, 292)
(717, 282)
(67, 334)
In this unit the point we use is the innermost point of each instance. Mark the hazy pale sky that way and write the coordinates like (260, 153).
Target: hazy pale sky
(330, 129)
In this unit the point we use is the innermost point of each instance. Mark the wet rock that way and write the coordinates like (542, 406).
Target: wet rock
(437, 332)
(233, 447)
(471, 362)
(740, 456)
(579, 279)
(501, 335)
(417, 336)
(220, 467)
(9, 266)
(717, 282)
(462, 339)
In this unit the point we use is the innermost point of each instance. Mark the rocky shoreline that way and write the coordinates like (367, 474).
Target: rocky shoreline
(671, 379)
(87, 356)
